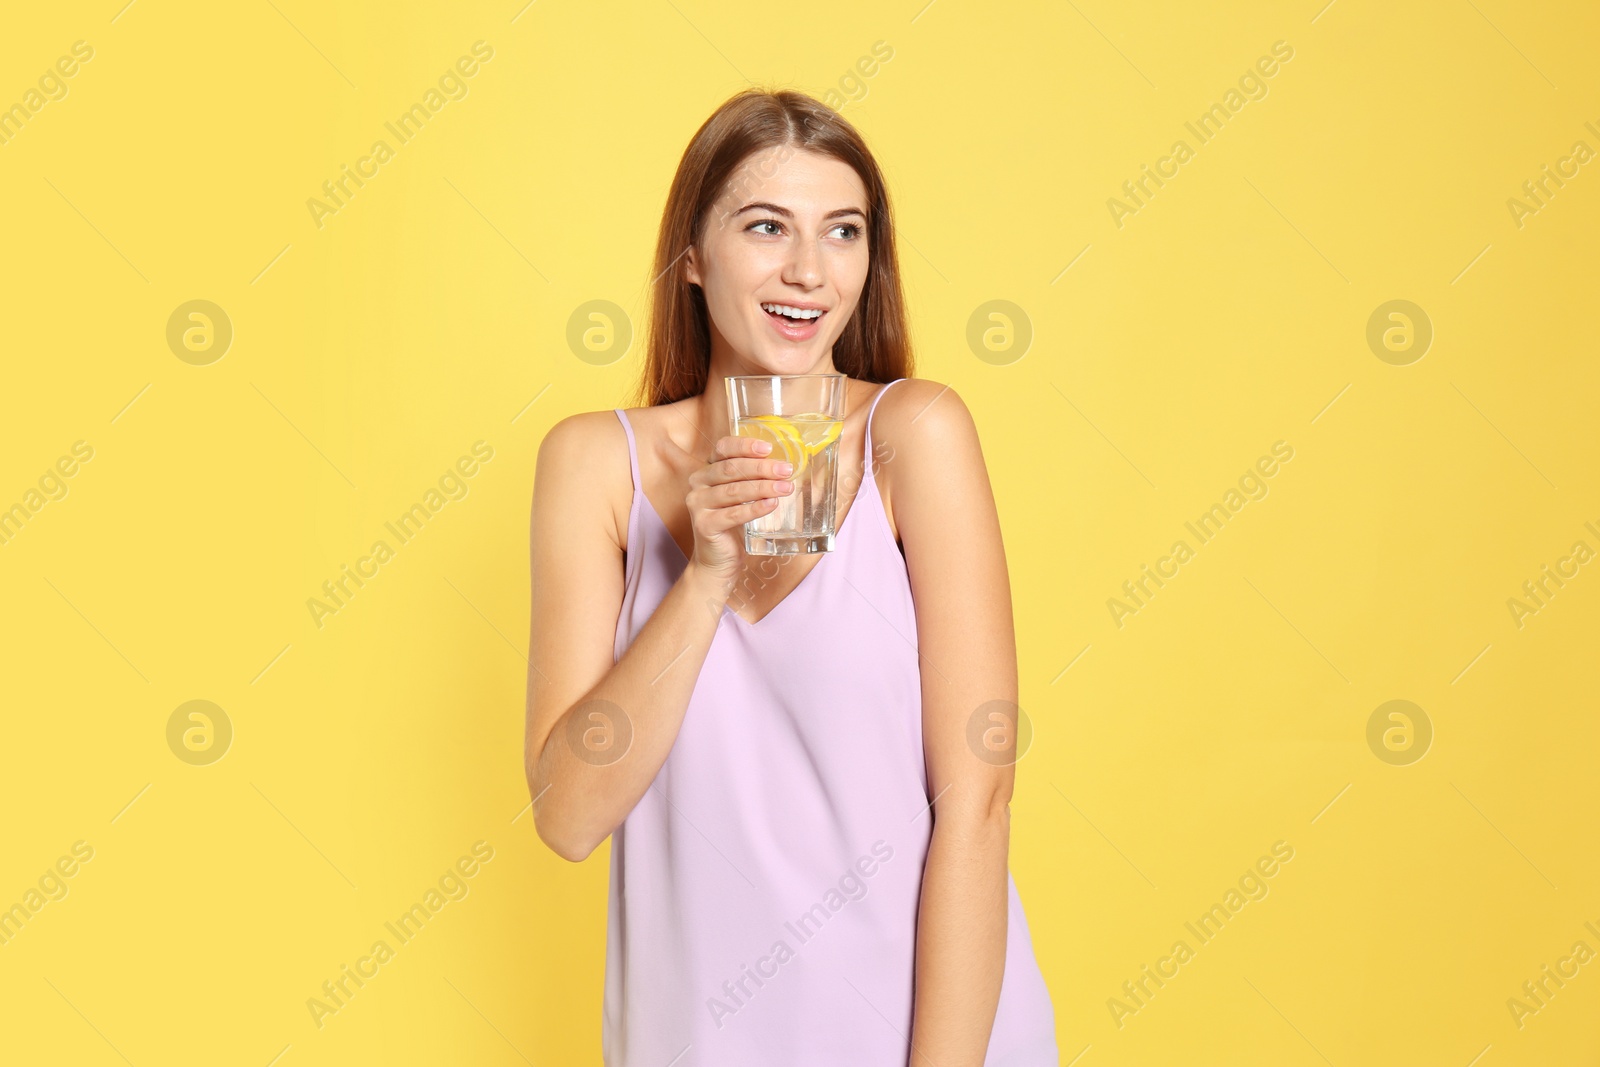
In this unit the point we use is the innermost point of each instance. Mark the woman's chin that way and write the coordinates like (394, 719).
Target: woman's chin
(790, 358)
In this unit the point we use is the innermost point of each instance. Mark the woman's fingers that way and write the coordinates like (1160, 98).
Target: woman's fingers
(741, 483)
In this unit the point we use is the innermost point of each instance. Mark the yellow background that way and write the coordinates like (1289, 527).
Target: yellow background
(369, 354)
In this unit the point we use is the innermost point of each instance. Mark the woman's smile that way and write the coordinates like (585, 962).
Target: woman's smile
(794, 327)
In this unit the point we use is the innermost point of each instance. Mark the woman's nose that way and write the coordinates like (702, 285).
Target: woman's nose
(805, 265)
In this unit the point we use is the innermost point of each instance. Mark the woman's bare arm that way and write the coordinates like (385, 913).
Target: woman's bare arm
(597, 733)
(947, 520)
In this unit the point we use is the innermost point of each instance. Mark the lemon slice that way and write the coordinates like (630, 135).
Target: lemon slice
(784, 441)
(816, 431)
(793, 444)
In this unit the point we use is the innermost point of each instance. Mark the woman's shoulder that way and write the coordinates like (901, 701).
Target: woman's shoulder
(921, 433)
(921, 411)
(578, 433)
(575, 440)
(583, 465)
(590, 427)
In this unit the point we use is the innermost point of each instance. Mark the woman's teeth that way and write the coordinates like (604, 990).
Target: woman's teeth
(792, 312)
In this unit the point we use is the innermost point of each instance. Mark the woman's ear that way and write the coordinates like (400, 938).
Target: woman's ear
(690, 268)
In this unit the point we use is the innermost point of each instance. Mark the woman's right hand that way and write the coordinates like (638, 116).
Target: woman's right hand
(742, 483)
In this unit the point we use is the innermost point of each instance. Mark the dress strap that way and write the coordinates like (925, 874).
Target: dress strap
(633, 449)
(866, 456)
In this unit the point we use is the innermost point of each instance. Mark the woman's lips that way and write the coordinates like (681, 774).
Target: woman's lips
(794, 329)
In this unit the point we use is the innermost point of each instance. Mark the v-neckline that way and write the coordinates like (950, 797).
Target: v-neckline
(838, 539)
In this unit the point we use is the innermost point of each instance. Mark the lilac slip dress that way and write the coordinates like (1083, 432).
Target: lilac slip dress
(763, 894)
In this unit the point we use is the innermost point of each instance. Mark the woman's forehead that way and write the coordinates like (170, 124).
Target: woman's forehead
(782, 174)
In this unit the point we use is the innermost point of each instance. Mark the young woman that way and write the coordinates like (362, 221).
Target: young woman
(792, 755)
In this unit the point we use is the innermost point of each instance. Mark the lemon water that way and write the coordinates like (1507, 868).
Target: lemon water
(803, 521)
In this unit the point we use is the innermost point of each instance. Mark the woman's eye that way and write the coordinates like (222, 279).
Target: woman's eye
(852, 230)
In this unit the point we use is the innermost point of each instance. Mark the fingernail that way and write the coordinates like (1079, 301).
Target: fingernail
(785, 469)
(763, 447)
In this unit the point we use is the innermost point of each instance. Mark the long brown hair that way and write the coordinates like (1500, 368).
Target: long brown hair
(874, 347)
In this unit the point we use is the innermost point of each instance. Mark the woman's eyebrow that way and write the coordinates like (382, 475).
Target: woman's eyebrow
(762, 205)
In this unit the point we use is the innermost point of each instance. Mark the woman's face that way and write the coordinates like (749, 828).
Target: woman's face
(790, 229)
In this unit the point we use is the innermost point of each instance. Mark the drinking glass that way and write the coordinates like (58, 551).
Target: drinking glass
(801, 416)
